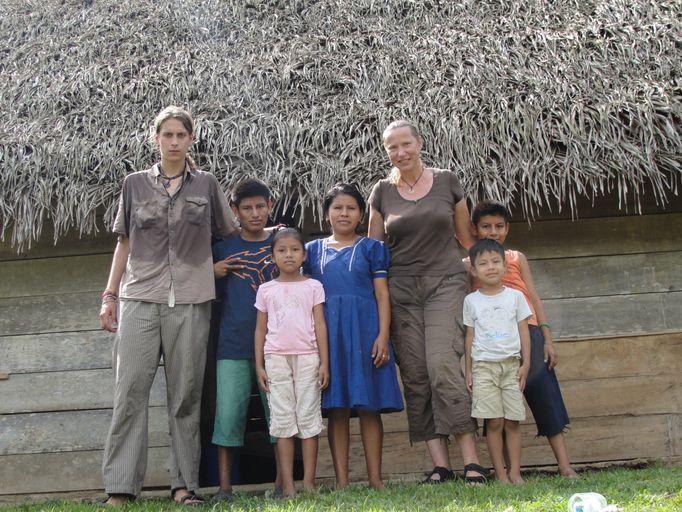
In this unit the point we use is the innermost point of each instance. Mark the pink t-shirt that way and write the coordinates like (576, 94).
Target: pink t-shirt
(289, 305)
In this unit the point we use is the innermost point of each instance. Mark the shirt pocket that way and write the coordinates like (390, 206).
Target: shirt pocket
(196, 209)
(146, 214)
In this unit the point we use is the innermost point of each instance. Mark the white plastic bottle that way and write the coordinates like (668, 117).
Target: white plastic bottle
(586, 502)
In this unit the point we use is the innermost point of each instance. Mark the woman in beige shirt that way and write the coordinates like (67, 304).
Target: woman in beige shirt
(419, 211)
(158, 301)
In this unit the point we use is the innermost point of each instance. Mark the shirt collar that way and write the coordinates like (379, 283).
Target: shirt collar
(188, 171)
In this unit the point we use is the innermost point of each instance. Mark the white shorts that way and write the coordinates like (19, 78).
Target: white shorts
(294, 395)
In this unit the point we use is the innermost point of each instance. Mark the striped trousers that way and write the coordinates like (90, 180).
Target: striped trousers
(146, 331)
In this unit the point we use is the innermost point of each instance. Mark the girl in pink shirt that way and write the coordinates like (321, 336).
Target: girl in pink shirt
(292, 356)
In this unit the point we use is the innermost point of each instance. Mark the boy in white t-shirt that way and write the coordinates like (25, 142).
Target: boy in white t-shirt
(496, 318)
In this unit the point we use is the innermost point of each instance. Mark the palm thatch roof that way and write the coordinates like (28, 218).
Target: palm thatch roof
(532, 101)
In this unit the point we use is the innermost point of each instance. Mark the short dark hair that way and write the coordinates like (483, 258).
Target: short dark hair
(249, 187)
(284, 233)
(343, 189)
(485, 245)
(488, 207)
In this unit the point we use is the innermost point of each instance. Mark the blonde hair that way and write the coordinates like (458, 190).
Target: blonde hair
(182, 115)
(394, 176)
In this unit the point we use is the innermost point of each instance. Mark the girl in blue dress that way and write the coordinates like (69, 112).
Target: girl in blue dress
(353, 270)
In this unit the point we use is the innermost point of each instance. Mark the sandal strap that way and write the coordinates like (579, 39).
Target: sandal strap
(444, 473)
(482, 476)
(476, 467)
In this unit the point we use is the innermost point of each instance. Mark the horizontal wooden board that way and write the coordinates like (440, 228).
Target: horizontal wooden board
(608, 275)
(54, 276)
(657, 394)
(69, 431)
(33, 353)
(633, 395)
(571, 318)
(50, 313)
(640, 356)
(607, 205)
(616, 315)
(67, 391)
(598, 237)
(589, 440)
(70, 471)
(72, 243)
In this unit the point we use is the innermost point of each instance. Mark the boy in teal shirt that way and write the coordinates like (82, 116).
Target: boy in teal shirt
(241, 264)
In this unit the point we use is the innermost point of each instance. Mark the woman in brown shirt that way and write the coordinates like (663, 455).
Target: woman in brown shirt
(419, 211)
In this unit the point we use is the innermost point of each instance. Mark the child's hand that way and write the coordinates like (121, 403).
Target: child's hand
(262, 379)
(550, 352)
(223, 267)
(380, 353)
(523, 375)
(469, 380)
(324, 376)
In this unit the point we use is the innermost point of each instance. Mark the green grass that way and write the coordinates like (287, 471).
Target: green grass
(654, 488)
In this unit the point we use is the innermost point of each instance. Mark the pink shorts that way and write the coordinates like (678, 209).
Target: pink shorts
(294, 396)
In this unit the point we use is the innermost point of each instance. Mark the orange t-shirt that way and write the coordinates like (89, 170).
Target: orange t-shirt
(512, 279)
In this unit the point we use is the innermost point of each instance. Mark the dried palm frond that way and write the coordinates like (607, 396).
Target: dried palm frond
(531, 102)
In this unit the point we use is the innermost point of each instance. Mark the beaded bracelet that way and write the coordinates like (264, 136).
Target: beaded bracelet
(109, 296)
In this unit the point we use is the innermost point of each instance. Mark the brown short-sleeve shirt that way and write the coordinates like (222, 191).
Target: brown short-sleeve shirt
(170, 237)
(421, 233)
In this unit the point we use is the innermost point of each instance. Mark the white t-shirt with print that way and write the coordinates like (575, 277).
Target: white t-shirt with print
(495, 320)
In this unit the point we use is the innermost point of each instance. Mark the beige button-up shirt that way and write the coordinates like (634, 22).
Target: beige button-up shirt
(170, 237)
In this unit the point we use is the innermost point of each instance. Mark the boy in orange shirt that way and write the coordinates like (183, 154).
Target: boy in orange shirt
(543, 395)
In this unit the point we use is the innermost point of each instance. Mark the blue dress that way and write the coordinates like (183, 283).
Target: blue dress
(347, 275)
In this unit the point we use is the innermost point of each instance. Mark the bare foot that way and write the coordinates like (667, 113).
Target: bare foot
(341, 484)
(376, 485)
(288, 491)
(516, 479)
(569, 473)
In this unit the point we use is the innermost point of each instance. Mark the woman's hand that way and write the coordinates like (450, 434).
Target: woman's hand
(108, 316)
(380, 353)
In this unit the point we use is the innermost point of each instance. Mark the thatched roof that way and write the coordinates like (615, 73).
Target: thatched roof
(532, 101)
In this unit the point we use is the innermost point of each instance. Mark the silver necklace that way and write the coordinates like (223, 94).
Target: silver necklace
(410, 188)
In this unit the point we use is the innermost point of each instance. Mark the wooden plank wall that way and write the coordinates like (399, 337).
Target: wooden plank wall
(612, 287)
(56, 404)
